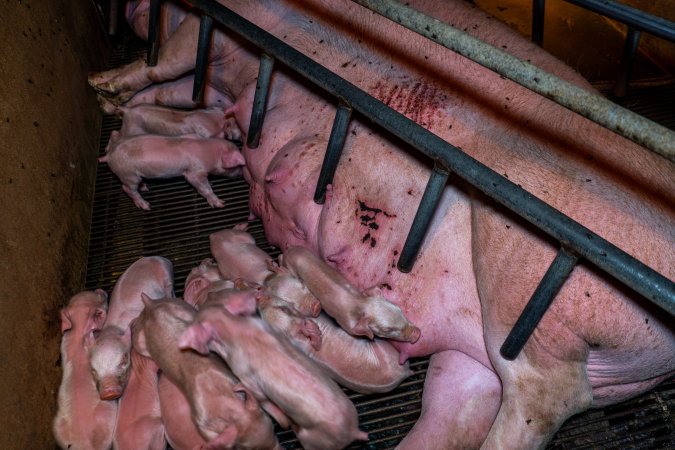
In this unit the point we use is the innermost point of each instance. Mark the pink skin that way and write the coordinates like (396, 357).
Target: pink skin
(225, 412)
(274, 371)
(181, 432)
(360, 314)
(478, 266)
(83, 420)
(151, 156)
(290, 288)
(239, 300)
(110, 361)
(237, 255)
(153, 119)
(139, 419)
(202, 280)
(359, 364)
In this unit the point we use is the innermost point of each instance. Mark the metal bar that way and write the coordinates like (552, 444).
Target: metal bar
(425, 212)
(542, 298)
(333, 151)
(592, 106)
(574, 236)
(262, 88)
(632, 17)
(153, 32)
(627, 60)
(538, 21)
(205, 27)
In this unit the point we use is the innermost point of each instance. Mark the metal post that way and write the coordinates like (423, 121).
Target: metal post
(153, 32)
(538, 22)
(627, 60)
(205, 27)
(262, 88)
(542, 298)
(336, 142)
(418, 229)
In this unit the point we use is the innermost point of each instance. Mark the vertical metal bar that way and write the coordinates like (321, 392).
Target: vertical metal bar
(538, 22)
(336, 142)
(542, 298)
(422, 220)
(262, 87)
(205, 27)
(153, 32)
(627, 60)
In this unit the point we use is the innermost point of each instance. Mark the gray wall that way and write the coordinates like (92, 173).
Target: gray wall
(49, 128)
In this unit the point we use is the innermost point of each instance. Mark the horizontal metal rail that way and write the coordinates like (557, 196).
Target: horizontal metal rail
(594, 107)
(572, 235)
(635, 18)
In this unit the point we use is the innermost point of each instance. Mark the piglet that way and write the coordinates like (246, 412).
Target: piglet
(181, 431)
(287, 383)
(83, 420)
(237, 255)
(285, 285)
(154, 119)
(363, 365)
(139, 420)
(151, 156)
(110, 360)
(359, 314)
(224, 411)
(202, 280)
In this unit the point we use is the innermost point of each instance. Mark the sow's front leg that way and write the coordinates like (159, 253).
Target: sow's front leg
(460, 401)
(176, 57)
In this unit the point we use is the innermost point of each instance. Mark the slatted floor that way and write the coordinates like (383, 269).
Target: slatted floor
(178, 227)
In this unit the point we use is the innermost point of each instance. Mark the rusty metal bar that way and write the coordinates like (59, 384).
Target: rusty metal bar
(336, 142)
(205, 28)
(262, 88)
(572, 235)
(153, 32)
(425, 212)
(543, 296)
(592, 106)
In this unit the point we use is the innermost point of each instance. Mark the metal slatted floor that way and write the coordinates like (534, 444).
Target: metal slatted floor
(178, 228)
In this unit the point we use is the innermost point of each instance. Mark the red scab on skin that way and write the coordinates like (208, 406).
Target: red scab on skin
(417, 101)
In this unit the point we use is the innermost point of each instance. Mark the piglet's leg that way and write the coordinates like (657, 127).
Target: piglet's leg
(201, 182)
(461, 398)
(132, 191)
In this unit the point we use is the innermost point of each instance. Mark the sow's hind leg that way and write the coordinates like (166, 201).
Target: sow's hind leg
(460, 401)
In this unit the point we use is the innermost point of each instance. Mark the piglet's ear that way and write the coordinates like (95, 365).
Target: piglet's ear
(66, 323)
(362, 328)
(147, 301)
(103, 294)
(232, 158)
(193, 288)
(312, 331)
(195, 337)
(98, 318)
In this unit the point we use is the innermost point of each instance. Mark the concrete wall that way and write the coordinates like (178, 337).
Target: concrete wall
(49, 128)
